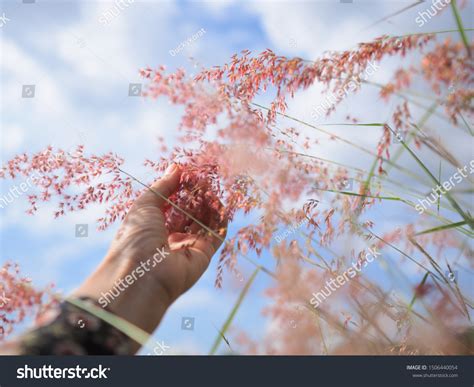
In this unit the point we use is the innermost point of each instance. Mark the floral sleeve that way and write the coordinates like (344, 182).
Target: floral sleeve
(69, 330)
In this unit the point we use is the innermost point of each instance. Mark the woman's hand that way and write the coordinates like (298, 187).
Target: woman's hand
(146, 268)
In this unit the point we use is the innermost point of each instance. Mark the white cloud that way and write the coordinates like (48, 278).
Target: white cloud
(13, 137)
(218, 8)
(19, 68)
(315, 27)
(199, 298)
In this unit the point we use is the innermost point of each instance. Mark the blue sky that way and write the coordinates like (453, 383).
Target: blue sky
(81, 69)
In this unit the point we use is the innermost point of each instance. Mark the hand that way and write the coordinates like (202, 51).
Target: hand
(171, 263)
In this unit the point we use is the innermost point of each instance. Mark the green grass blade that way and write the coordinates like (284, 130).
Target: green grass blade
(132, 331)
(428, 113)
(361, 195)
(462, 31)
(425, 277)
(432, 33)
(438, 269)
(385, 18)
(366, 185)
(332, 135)
(346, 124)
(404, 254)
(439, 178)
(453, 202)
(232, 314)
(467, 125)
(443, 227)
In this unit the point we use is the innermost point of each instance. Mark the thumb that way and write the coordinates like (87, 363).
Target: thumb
(161, 189)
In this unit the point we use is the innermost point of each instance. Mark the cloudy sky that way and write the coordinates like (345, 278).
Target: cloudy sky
(82, 56)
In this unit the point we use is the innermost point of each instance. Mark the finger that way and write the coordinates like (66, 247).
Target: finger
(210, 238)
(207, 243)
(193, 245)
(161, 189)
(194, 228)
(177, 240)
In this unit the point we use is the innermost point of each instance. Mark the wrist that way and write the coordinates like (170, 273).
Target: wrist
(140, 300)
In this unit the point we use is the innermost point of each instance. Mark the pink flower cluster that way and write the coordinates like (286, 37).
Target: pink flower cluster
(18, 299)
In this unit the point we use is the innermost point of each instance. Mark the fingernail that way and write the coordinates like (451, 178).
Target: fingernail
(171, 168)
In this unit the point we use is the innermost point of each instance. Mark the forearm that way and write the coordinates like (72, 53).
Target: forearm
(142, 302)
(70, 330)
